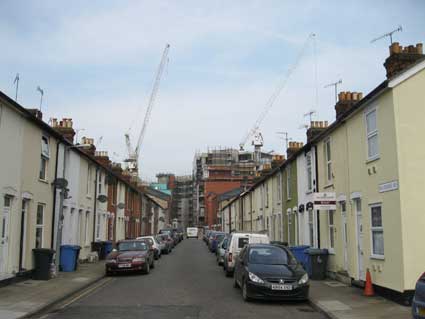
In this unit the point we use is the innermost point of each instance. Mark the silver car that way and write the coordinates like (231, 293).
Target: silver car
(221, 248)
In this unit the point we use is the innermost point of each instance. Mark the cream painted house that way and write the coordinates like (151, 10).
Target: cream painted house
(26, 197)
(371, 158)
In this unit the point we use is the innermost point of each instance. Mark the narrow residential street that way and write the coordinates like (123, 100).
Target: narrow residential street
(186, 284)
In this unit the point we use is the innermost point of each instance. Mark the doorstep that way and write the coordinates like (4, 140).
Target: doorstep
(31, 296)
(340, 301)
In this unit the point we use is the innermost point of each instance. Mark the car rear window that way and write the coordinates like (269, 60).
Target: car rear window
(132, 245)
(269, 256)
(242, 241)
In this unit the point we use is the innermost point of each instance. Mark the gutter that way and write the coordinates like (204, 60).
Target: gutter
(52, 239)
(94, 204)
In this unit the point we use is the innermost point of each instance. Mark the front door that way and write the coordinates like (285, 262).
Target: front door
(4, 234)
(359, 223)
(344, 234)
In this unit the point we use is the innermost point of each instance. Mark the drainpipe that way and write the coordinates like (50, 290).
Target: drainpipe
(317, 189)
(250, 197)
(54, 195)
(94, 204)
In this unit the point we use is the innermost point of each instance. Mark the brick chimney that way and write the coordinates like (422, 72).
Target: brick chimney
(316, 127)
(64, 127)
(37, 113)
(402, 57)
(293, 147)
(89, 147)
(346, 100)
(102, 157)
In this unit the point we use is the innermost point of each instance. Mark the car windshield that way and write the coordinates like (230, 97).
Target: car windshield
(220, 237)
(269, 256)
(132, 245)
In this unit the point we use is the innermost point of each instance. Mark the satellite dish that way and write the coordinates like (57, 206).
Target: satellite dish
(102, 198)
(60, 183)
(121, 206)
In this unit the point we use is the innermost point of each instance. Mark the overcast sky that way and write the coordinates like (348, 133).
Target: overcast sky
(96, 61)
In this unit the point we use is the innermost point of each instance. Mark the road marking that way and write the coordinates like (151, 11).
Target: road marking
(87, 291)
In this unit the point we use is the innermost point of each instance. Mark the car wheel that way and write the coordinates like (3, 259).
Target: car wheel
(245, 292)
(148, 269)
(228, 273)
(108, 273)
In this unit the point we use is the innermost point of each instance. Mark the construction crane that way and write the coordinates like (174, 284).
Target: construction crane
(275, 94)
(133, 153)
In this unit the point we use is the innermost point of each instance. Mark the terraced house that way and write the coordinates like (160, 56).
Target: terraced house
(100, 202)
(369, 161)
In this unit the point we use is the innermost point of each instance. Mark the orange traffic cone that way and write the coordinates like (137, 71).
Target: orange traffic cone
(368, 288)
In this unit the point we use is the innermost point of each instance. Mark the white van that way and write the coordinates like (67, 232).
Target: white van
(192, 232)
(235, 244)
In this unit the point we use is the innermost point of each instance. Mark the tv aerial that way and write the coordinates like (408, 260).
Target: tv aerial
(310, 114)
(389, 34)
(335, 85)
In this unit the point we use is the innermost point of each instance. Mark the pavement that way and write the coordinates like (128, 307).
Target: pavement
(340, 301)
(185, 284)
(26, 298)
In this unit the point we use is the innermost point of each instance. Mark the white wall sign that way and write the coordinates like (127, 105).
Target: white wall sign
(387, 187)
(324, 201)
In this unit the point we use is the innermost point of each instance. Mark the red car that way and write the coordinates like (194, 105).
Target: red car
(130, 255)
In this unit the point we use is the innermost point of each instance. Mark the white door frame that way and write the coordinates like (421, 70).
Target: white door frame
(359, 239)
(344, 233)
(4, 233)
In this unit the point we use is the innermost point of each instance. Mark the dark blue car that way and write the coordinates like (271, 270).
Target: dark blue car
(418, 304)
(215, 238)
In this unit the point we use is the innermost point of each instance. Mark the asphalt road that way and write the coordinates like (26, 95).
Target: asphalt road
(185, 284)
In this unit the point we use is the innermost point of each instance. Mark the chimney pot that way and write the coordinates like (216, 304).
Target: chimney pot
(401, 58)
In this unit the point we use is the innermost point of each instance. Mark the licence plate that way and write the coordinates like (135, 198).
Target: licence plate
(124, 265)
(421, 311)
(281, 287)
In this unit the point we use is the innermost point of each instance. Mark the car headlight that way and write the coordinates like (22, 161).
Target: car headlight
(111, 261)
(303, 280)
(255, 278)
(139, 260)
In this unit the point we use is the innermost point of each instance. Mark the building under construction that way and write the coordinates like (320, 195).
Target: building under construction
(220, 170)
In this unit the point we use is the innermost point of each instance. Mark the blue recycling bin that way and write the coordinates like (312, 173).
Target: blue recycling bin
(69, 257)
(108, 247)
(299, 254)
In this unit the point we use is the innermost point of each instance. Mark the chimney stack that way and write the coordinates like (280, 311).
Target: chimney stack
(402, 57)
(64, 127)
(293, 147)
(88, 147)
(316, 127)
(37, 113)
(346, 100)
(102, 157)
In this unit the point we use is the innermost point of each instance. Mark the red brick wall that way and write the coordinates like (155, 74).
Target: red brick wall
(211, 190)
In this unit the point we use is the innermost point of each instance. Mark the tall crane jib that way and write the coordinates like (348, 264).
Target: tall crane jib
(133, 154)
(276, 93)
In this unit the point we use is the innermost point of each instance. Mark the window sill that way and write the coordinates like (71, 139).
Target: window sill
(377, 257)
(310, 191)
(88, 196)
(372, 159)
(331, 251)
(45, 181)
(329, 185)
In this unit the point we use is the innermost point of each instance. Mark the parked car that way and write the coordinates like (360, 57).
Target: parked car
(173, 234)
(168, 243)
(155, 244)
(130, 255)
(221, 248)
(180, 233)
(206, 234)
(235, 243)
(192, 232)
(215, 239)
(265, 271)
(210, 233)
(163, 244)
(418, 302)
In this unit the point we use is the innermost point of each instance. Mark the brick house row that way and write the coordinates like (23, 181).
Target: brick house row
(39, 163)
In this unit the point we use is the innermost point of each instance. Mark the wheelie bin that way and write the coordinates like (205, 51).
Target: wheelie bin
(42, 259)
